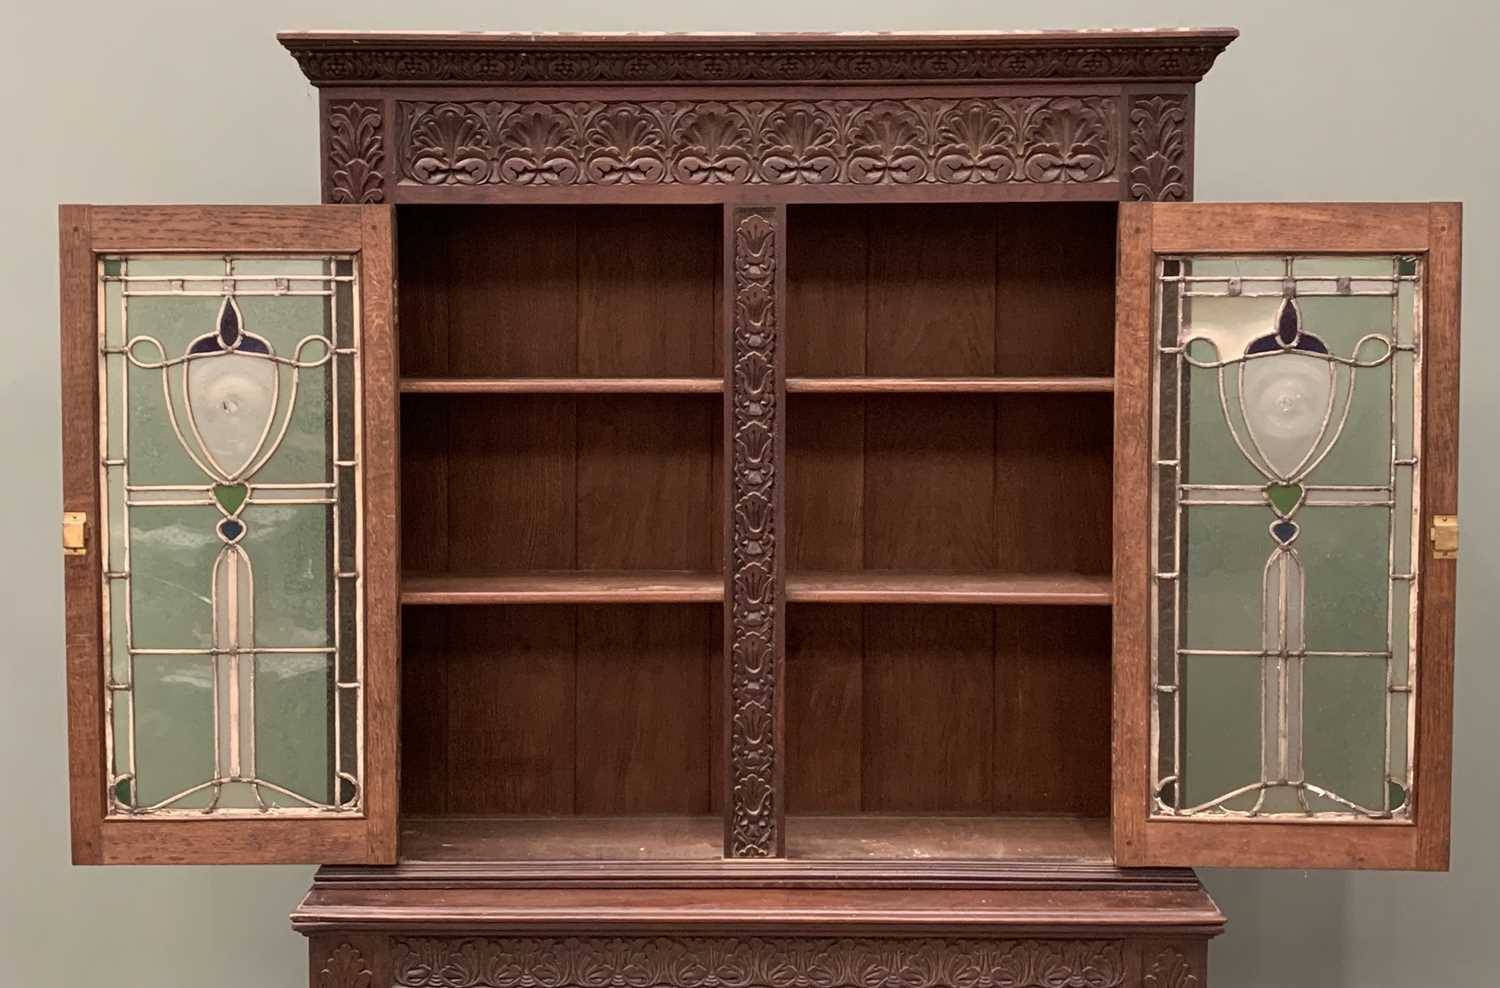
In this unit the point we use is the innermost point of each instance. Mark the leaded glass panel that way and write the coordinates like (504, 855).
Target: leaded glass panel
(1285, 518)
(229, 394)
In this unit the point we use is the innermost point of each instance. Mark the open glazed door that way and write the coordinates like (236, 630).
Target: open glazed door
(229, 482)
(1285, 524)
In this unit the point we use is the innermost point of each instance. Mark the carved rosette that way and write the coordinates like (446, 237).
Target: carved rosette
(356, 152)
(735, 962)
(1044, 139)
(372, 62)
(755, 430)
(345, 967)
(1158, 148)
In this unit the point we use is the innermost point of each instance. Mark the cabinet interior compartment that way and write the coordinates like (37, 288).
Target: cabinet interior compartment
(561, 731)
(565, 506)
(948, 731)
(949, 429)
(951, 290)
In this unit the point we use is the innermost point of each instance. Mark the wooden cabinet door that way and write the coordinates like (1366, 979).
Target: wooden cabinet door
(1285, 499)
(229, 488)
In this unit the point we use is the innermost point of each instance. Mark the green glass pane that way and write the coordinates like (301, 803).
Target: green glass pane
(293, 725)
(289, 552)
(1343, 552)
(1344, 718)
(1361, 454)
(1225, 551)
(1221, 720)
(1212, 454)
(172, 552)
(174, 726)
(157, 454)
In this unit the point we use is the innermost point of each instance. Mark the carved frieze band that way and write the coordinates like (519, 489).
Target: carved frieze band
(785, 62)
(356, 152)
(1047, 139)
(735, 962)
(1158, 149)
(755, 431)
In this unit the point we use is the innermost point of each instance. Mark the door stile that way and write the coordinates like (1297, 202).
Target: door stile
(1439, 472)
(81, 493)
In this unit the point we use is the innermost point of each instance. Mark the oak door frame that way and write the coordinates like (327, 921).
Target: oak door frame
(1149, 229)
(85, 233)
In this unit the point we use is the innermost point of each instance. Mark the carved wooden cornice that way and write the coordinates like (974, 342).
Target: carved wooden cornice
(354, 58)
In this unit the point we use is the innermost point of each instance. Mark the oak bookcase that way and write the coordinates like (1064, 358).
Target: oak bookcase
(757, 478)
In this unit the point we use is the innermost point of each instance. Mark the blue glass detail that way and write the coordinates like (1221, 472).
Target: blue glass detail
(1288, 323)
(1288, 334)
(1271, 343)
(230, 336)
(229, 324)
(1284, 531)
(231, 529)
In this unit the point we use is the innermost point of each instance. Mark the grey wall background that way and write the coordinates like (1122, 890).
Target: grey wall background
(153, 102)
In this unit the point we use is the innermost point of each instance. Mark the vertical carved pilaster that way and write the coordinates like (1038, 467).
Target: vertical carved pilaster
(1159, 167)
(356, 152)
(755, 427)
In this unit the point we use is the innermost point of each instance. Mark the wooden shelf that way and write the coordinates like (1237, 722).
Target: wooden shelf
(842, 837)
(949, 385)
(561, 385)
(562, 838)
(566, 587)
(685, 586)
(905, 587)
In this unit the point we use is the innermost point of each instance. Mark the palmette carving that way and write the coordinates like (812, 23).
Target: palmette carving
(345, 967)
(755, 962)
(356, 152)
(1171, 968)
(1053, 139)
(1158, 148)
(753, 536)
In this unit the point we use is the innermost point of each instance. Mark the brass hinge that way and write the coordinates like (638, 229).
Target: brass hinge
(75, 533)
(1445, 536)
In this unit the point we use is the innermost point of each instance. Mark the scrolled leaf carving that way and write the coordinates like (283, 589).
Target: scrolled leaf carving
(753, 962)
(356, 152)
(1158, 148)
(996, 140)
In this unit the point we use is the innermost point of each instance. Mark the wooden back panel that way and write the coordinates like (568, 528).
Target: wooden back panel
(560, 709)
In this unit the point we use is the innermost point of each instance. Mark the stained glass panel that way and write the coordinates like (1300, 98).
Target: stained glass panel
(229, 388)
(1285, 518)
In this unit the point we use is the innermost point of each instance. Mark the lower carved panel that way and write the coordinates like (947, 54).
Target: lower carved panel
(378, 961)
